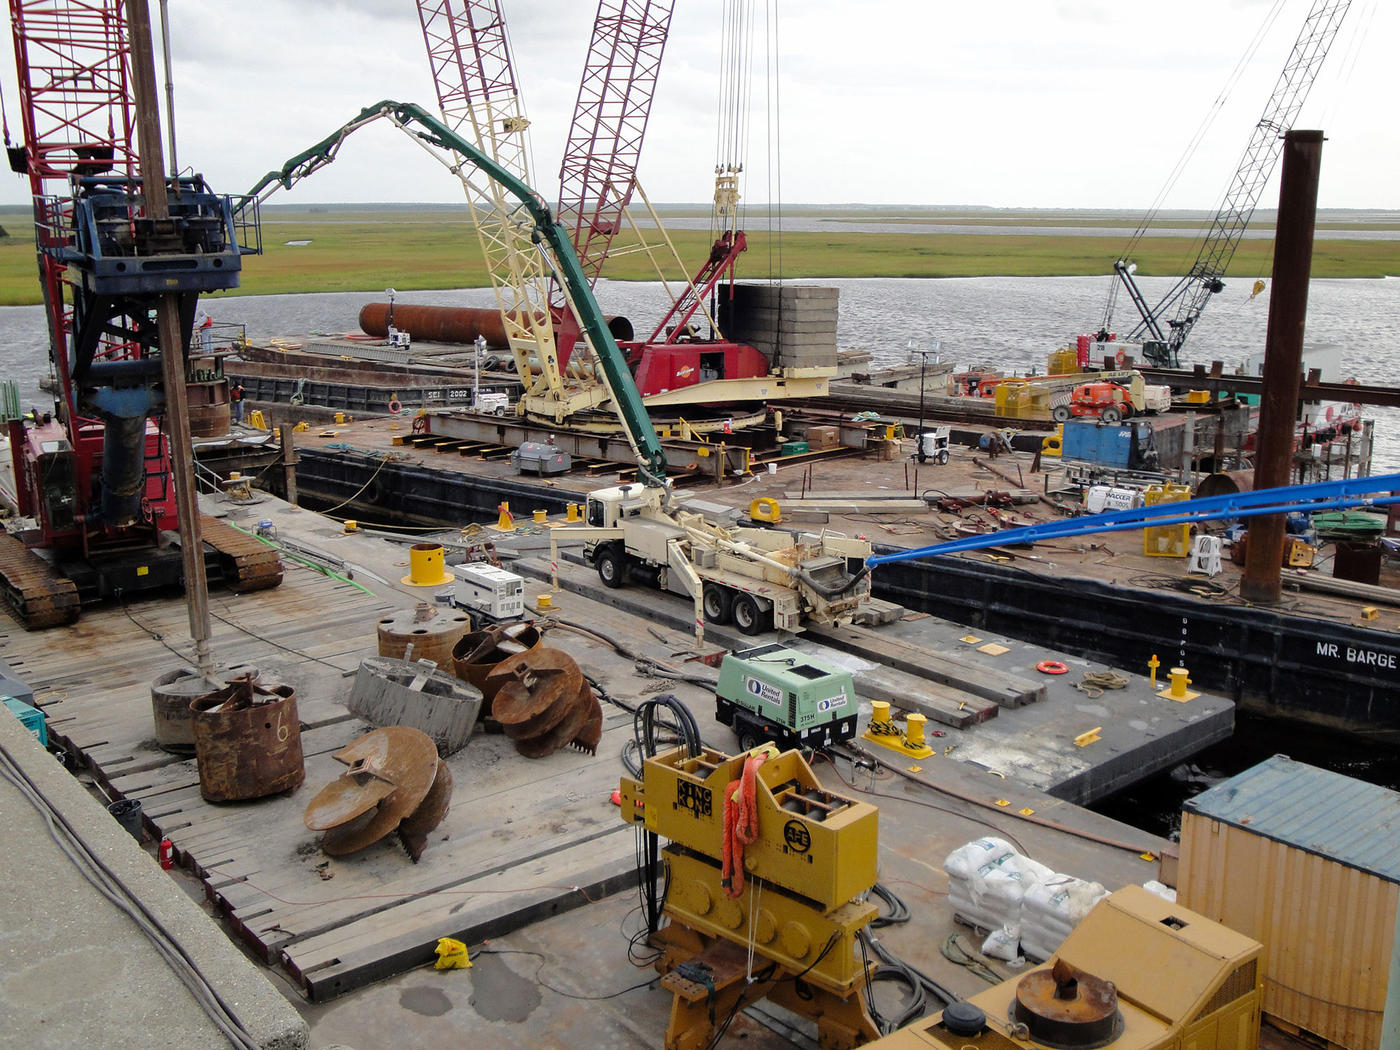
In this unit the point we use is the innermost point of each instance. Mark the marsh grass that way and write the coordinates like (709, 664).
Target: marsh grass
(357, 249)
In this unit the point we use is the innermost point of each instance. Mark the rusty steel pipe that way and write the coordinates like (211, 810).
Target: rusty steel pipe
(247, 741)
(1283, 357)
(454, 324)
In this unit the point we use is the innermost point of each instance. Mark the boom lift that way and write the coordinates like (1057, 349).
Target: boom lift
(1162, 336)
(95, 475)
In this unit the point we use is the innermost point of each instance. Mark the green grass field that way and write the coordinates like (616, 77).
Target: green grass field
(357, 248)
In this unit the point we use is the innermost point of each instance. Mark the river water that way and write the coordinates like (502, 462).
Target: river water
(1010, 322)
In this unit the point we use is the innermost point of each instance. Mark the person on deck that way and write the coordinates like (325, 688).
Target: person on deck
(235, 398)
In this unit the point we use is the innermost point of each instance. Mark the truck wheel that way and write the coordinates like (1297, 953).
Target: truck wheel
(748, 739)
(611, 569)
(1060, 413)
(1111, 414)
(748, 617)
(718, 603)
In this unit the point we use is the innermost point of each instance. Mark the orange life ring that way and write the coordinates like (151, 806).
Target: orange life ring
(1120, 358)
(395, 406)
(1051, 667)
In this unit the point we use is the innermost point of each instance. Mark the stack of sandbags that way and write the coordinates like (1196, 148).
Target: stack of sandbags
(1051, 908)
(987, 880)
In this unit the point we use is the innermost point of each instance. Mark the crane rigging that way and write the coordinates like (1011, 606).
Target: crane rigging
(471, 65)
(97, 474)
(1162, 335)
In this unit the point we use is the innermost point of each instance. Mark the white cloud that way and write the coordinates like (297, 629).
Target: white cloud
(1020, 103)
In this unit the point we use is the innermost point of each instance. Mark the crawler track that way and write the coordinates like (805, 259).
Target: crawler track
(246, 563)
(35, 591)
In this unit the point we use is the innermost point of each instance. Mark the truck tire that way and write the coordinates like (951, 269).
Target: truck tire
(718, 604)
(748, 617)
(612, 567)
(1060, 413)
(943, 457)
(1112, 414)
(750, 739)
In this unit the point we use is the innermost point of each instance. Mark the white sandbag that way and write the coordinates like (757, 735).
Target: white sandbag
(1003, 944)
(966, 860)
(1028, 870)
(1060, 901)
(984, 914)
(1161, 889)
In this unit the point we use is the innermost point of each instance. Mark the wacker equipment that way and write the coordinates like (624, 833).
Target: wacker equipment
(766, 870)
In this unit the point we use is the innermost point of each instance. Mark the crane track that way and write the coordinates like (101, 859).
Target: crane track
(246, 562)
(35, 591)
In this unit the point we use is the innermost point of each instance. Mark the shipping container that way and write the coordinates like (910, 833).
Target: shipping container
(1308, 862)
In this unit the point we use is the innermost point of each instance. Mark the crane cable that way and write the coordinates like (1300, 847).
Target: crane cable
(1192, 146)
(775, 147)
(4, 117)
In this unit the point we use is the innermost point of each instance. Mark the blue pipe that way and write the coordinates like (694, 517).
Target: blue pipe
(1320, 496)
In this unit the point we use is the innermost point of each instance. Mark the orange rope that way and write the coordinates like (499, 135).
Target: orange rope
(740, 824)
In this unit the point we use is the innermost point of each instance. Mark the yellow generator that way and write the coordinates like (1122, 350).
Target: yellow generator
(1138, 973)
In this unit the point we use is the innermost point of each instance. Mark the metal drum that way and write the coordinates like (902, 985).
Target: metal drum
(432, 633)
(171, 696)
(477, 653)
(248, 741)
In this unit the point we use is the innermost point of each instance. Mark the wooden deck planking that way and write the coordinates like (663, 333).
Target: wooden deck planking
(502, 825)
(404, 937)
(512, 824)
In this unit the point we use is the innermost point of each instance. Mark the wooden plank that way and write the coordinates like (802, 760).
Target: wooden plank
(951, 707)
(1006, 689)
(405, 937)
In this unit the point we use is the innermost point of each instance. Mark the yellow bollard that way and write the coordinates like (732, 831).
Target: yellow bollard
(543, 602)
(351, 526)
(879, 711)
(340, 417)
(1152, 666)
(573, 514)
(505, 523)
(1177, 690)
(426, 566)
(914, 735)
(541, 516)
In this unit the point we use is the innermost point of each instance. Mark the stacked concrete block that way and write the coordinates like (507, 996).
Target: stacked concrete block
(793, 325)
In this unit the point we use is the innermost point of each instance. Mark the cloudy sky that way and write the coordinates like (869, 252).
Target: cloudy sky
(1016, 103)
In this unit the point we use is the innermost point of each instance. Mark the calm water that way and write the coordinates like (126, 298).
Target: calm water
(1008, 321)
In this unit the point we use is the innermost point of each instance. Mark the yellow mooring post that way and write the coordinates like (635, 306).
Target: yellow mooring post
(1152, 666)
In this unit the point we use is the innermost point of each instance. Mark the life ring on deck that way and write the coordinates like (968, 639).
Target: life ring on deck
(1051, 667)
(1120, 358)
(395, 406)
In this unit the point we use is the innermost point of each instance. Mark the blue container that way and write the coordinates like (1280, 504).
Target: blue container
(31, 718)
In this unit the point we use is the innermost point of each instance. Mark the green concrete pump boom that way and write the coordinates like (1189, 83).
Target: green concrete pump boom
(421, 125)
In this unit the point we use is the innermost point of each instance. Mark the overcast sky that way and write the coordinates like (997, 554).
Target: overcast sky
(1017, 103)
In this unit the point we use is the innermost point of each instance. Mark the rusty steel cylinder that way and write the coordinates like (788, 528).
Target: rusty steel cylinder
(430, 631)
(247, 741)
(454, 324)
(171, 696)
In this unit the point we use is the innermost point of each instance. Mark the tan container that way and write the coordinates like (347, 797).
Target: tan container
(823, 437)
(1327, 926)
